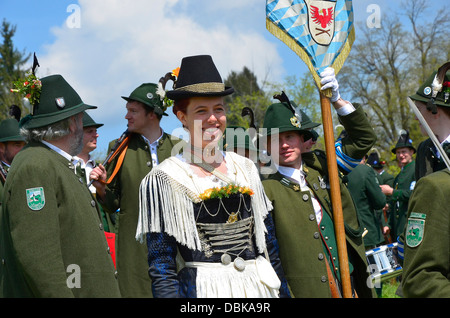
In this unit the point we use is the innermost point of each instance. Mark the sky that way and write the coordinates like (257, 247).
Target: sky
(105, 49)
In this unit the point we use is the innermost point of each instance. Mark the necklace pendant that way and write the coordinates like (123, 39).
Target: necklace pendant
(239, 264)
(225, 259)
(233, 217)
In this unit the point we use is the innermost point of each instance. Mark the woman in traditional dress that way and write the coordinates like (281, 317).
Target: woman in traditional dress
(207, 205)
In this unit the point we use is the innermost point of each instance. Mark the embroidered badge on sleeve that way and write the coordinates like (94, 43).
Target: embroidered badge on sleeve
(415, 229)
(35, 198)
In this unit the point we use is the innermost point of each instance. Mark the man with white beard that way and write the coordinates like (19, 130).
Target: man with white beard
(53, 242)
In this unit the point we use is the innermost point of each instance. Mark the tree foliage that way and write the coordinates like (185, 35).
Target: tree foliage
(389, 63)
(12, 63)
(247, 94)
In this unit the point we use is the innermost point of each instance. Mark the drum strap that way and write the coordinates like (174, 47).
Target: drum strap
(335, 292)
(121, 151)
(119, 163)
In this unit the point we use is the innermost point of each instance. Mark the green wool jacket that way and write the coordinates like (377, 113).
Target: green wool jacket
(305, 246)
(52, 242)
(2, 183)
(426, 267)
(404, 184)
(386, 178)
(369, 199)
(426, 159)
(123, 193)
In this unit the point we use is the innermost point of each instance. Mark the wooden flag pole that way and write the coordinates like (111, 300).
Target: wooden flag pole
(335, 190)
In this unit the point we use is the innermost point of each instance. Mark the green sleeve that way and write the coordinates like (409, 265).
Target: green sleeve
(426, 267)
(361, 136)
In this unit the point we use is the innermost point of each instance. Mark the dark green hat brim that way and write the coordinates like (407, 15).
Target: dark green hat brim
(96, 126)
(57, 101)
(278, 119)
(10, 131)
(419, 98)
(403, 146)
(89, 122)
(304, 130)
(157, 110)
(37, 121)
(147, 94)
(424, 92)
(12, 138)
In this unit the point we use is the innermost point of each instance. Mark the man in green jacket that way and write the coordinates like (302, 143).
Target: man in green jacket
(403, 186)
(148, 145)
(384, 177)
(11, 142)
(426, 266)
(365, 189)
(299, 192)
(52, 242)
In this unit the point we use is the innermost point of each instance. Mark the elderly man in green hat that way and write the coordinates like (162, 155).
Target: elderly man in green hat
(53, 243)
(300, 196)
(404, 182)
(426, 268)
(11, 142)
(147, 146)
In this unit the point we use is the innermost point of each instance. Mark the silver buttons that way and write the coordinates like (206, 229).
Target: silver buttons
(239, 264)
(225, 259)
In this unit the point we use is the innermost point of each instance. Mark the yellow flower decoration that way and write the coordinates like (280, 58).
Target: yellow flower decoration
(224, 192)
(176, 71)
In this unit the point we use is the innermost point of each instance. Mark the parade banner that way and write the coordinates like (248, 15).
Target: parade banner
(321, 33)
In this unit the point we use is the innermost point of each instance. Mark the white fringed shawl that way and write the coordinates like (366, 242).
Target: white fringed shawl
(168, 192)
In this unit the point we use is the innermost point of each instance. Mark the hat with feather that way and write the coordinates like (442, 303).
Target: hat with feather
(435, 91)
(57, 101)
(286, 116)
(404, 141)
(198, 76)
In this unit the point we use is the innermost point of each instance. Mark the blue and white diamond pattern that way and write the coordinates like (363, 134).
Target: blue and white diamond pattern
(291, 16)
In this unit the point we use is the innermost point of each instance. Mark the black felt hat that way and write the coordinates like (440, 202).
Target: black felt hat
(404, 141)
(198, 76)
(374, 161)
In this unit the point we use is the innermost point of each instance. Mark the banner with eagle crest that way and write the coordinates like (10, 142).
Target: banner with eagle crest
(321, 32)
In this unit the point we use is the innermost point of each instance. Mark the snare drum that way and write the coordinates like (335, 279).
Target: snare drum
(383, 262)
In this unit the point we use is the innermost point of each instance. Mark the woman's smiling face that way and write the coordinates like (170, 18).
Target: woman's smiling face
(206, 120)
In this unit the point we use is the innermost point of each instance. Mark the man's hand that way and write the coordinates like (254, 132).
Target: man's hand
(328, 80)
(387, 190)
(98, 174)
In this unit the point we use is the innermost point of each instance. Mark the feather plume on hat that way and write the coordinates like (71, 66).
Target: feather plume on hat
(436, 86)
(161, 90)
(285, 100)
